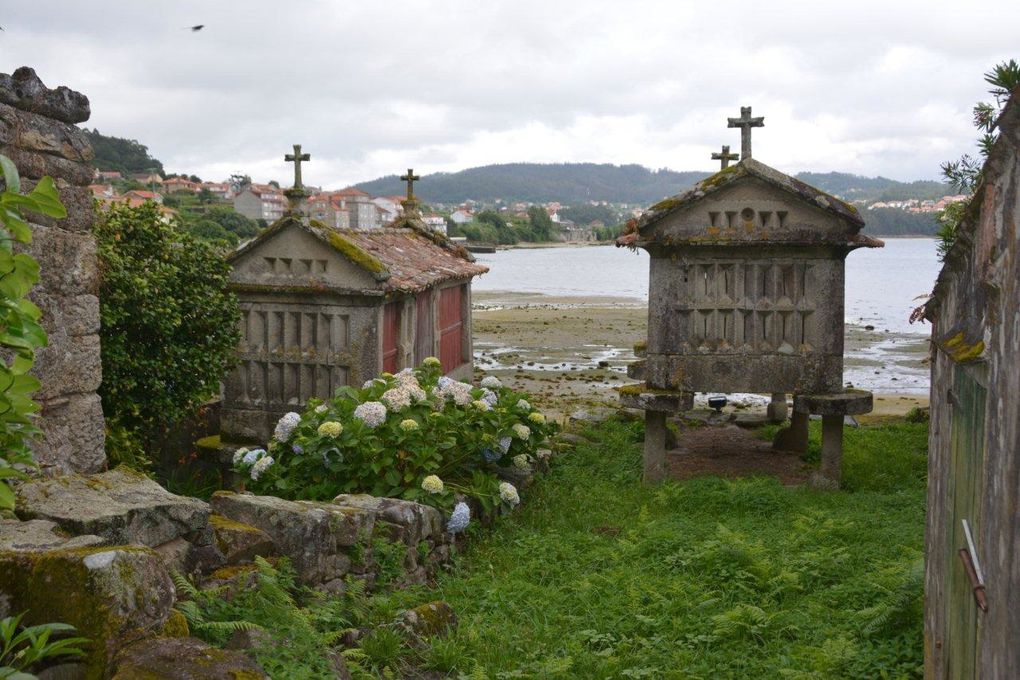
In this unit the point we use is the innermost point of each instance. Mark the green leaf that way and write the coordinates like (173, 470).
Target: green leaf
(11, 177)
(47, 200)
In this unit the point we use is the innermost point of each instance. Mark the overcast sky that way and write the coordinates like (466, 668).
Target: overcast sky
(373, 87)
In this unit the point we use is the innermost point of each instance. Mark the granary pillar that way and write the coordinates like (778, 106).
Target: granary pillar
(830, 472)
(793, 438)
(777, 410)
(655, 447)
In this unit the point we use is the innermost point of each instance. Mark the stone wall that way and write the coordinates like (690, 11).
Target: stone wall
(37, 132)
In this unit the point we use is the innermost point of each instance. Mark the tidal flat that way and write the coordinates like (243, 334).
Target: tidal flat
(569, 352)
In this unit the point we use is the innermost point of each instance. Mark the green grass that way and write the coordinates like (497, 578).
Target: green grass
(598, 576)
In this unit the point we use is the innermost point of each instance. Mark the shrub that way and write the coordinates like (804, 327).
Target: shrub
(19, 319)
(416, 435)
(21, 648)
(169, 325)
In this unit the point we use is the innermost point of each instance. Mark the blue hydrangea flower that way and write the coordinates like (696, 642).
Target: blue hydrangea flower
(297, 449)
(490, 455)
(459, 518)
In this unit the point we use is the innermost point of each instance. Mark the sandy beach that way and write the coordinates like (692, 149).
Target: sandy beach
(570, 352)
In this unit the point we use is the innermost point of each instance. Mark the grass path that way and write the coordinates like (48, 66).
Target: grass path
(598, 576)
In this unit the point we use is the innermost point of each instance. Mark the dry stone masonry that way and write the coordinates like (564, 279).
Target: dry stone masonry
(38, 132)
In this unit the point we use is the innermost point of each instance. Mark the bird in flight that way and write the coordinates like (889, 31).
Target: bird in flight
(195, 29)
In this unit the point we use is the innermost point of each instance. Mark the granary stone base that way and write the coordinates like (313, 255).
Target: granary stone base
(183, 658)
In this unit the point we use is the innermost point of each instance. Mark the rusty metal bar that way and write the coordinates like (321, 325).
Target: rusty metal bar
(975, 584)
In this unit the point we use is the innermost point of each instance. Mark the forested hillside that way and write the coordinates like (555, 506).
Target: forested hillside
(126, 156)
(572, 183)
(567, 183)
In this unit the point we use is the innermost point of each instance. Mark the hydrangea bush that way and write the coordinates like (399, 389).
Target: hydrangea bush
(416, 435)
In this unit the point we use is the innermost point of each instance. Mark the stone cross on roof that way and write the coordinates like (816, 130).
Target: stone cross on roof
(410, 178)
(745, 123)
(296, 159)
(725, 156)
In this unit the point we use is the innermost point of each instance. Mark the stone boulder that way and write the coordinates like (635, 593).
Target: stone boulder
(38, 535)
(239, 542)
(428, 620)
(183, 659)
(121, 506)
(318, 538)
(111, 595)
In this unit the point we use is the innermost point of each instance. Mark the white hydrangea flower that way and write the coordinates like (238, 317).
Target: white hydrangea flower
(285, 427)
(252, 456)
(537, 418)
(260, 466)
(432, 484)
(523, 405)
(489, 397)
(521, 431)
(508, 493)
(321, 408)
(397, 399)
(239, 455)
(409, 425)
(372, 413)
(491, 382)
(522, 462)
(504, 443)
(481, 405)
(431, 362)
(459, 518)
(331, 429)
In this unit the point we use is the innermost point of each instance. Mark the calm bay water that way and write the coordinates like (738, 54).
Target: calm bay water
(881, 283)
(881, 287)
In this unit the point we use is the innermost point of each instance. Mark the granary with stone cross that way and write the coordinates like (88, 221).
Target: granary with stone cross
(746, 296)
(323, 308)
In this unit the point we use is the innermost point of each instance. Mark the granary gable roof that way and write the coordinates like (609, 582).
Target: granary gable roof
(404, 257)
(749, 168)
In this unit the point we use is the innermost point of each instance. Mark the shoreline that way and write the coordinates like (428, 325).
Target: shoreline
(570, 352)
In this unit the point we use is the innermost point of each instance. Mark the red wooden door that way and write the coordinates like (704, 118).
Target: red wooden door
(390, 336)
(423, 331)
(451, 323)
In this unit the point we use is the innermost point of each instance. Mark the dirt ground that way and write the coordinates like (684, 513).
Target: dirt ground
(730, 451)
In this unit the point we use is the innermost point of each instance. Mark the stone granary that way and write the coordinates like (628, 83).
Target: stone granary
(746, 295)
(972, 539)
(323, 308)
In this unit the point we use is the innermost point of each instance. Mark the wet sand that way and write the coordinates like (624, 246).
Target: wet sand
(570, 352)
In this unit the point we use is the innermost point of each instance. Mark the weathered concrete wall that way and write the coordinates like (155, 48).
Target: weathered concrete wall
(37, 132)
(974, 442)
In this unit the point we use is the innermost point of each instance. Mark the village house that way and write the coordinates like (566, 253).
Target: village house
(147, 178)
(461, 216)
(261, 202)
(138, 196)
(436, 223)
(362, 212)
(323, 308)
(102, 191)
(220, 190)
(329, 209)
(179, 184)
(108, 175)
(389, 207)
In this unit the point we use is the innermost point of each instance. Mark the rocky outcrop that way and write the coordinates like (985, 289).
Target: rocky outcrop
(122, 506)
(40, 535)
(240, 543)
(183, 659)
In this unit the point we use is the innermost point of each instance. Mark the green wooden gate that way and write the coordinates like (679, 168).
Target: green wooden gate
(964, 502)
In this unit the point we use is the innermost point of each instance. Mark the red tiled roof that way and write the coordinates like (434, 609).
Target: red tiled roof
(350, 191)
(413, 260)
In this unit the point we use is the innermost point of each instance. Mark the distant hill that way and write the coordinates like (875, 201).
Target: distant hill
(540, 183)
(126, 156)
(572, 183)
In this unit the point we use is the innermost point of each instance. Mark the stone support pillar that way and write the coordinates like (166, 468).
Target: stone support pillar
(831, 470)
(793, 438)
(655, 447)
(777, 409)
